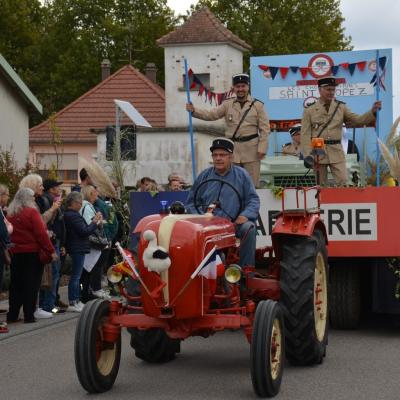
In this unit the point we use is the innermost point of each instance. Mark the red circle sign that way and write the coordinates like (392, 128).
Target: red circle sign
(320, 66)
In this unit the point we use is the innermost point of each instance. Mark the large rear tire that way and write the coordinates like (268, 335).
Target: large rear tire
(304, 298)
(96, 361)
(345, 297)
(267, 349)
(151, 345)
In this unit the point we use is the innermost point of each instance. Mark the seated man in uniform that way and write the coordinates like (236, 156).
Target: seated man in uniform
(232, 190)
(293, 148)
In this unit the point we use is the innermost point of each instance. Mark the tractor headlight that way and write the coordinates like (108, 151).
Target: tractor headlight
(113, 275)
(233, 273)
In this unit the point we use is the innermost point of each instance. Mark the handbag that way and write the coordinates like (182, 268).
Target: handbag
(44, 256)
(98, 240)
(47, 277)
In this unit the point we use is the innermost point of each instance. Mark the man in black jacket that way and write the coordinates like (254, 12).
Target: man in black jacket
(56, 227)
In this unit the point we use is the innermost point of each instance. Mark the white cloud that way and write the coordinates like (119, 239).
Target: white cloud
(374, 24)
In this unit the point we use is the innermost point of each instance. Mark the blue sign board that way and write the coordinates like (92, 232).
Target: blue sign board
(145, 203)
(288, 83)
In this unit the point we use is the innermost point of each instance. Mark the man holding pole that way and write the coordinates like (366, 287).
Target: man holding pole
(325, 119)
(247, 125)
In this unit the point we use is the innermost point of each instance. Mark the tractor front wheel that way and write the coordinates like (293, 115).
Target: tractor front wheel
(267, 349)
(96, 360)
(304, 298)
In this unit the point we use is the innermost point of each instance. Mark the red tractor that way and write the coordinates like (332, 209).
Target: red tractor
(186, 282)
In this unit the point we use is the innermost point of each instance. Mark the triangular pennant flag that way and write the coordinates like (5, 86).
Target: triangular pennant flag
(304, 72)
(263, 67)
(190, 72)
(361, 65)
(219, 98)
(344, 65)
(382, 62)
(196, 80)
(193, 85)
(201, 90)
(334, 69)
(284, 71)
(274, 71)
(294, 69)
(373, 80)
(352, 67)
(206, 93)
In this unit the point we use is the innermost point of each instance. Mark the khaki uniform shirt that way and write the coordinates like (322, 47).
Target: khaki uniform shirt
(291, 149)
(256, 122)
(314, 118)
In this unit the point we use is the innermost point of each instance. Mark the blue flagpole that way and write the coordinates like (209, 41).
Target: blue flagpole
(378, 153)
(190, 122)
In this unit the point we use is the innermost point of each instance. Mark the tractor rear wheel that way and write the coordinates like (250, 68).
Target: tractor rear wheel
(96, 361)
(151, 345)
(267, 349)
(154, 345)
(345, 297)
(304, 298)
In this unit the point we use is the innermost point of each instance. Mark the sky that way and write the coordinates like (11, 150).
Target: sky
(371, 24)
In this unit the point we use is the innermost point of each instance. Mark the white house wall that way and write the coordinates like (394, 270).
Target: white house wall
(14, 123)
(160, 153)
(228, 61)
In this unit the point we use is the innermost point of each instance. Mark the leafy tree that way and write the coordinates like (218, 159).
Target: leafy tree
(283, 26)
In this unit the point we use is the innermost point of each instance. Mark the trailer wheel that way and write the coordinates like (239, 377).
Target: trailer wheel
(345, 297)
(304, 298)
(151, 345)
(96, 361)
(154, 345)
(267, 349)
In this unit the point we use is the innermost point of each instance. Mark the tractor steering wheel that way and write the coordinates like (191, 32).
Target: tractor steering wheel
(198, 205)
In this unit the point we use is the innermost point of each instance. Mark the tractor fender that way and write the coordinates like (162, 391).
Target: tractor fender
(296, 225)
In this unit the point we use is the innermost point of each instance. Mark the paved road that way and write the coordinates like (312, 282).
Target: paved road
(363, 364)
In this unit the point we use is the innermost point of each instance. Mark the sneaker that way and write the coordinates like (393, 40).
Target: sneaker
(81, 305)
(101, 294)
(42, 314)
(74, 307)
(58, 310)
(61, 304)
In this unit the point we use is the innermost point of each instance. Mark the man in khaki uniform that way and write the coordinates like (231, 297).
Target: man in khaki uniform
(325, 119)
(251, 139)
(293, 148)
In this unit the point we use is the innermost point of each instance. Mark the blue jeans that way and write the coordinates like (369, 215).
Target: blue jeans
(247, 234)
(47, 297)
(74, 288)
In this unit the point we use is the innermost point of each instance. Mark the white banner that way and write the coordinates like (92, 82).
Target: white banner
(303, 92)
(343, 221)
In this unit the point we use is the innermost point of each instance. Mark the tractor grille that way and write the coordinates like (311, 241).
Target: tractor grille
(294, 181)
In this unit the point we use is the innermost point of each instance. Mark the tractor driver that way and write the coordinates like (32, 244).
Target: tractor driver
(232, 190)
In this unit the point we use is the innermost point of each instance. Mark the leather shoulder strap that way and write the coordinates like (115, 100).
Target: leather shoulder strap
(242, 119)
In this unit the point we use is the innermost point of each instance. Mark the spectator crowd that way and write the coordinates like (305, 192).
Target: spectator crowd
(42, 226)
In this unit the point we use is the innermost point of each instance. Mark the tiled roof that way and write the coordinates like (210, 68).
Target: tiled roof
(202, 27)
(96, 109)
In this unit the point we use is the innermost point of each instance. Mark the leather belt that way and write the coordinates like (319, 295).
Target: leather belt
(333, 141)
(245, 138)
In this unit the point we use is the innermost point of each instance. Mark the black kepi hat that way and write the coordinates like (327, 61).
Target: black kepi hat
(295, 129)
(222, 143)
(50, 183)
(328, 81)
(240, 78)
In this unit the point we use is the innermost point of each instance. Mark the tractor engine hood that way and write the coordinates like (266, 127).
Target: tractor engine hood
(185, 239)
